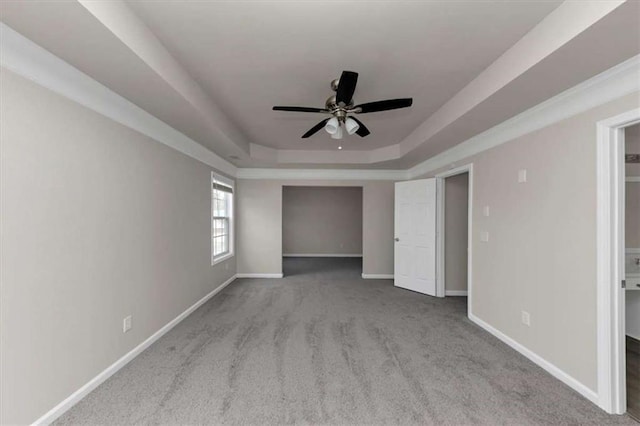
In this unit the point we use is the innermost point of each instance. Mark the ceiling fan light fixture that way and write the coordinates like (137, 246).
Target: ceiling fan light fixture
(351, 125)
(341, 104)
(332, 126)
(337, 134)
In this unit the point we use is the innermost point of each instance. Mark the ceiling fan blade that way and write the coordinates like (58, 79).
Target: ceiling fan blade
(299, 109)
(315, 128)
(384, 105)
(362, 130)
(346, 87)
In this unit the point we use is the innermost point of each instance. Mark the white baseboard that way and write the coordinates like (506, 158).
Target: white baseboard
(75, 397)
(549, 367)
(280, 275)
(455, 292)
(320, 255)
(377, 276)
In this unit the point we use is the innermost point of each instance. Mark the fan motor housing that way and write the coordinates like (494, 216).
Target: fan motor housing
(331, 103)
(334, 107)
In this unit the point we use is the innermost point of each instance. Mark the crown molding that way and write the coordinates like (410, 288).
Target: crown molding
(623, 79)
(27, 59)
(322, 174)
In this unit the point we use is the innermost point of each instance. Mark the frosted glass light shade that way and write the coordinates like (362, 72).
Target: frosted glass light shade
(337, 134)
(351, 125)
(332, 126)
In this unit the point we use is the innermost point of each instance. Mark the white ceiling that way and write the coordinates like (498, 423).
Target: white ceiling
(249, 57)
(214, 69)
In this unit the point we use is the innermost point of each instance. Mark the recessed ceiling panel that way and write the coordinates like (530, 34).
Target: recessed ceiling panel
(250, 56)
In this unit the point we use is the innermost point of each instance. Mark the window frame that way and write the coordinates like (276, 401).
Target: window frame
(218, 179)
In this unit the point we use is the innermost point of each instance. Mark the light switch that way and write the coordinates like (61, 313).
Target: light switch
(522, 175)
(126, 324)
(484, 236)
(485, 211)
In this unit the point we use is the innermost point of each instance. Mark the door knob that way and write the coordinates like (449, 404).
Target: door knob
(397, 239)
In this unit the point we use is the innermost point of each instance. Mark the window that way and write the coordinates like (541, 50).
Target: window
(221, 218)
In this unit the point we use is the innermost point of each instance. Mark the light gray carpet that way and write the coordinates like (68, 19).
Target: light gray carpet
(326, 347)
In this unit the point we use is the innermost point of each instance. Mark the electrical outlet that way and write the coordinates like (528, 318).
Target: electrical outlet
(484, 236)
(522, 176)
(126, 324)
(485, 211)
(526, 318)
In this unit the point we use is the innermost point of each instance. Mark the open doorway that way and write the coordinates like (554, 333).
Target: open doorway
(455, 188)
(456, 234)
(616, 268)
(322, 231)
(632, 268)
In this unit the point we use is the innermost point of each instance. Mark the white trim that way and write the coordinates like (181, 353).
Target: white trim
(610, 261)
(467, 168)
(440, 246)
(455, 292)
(76, 396)
(377, 276)
(537, 359)
(322, 174)
(259, 275)
(614, 83)
(221, 258)
(22, 56)
(455, 171)
(224, 180)
(632, 179)
(320, 255)
(632, 250)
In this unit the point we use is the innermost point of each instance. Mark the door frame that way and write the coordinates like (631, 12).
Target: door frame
(611, 357)
(440, 230)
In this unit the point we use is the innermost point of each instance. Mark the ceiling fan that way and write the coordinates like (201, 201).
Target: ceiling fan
(341, 107)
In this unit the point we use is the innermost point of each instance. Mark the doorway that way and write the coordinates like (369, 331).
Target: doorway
(420, 260)
(632, 269)
(454, 251)
(322, 231)
(615, 267)
(456, 233)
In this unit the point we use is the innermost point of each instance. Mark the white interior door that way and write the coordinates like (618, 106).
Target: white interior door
(415, 236)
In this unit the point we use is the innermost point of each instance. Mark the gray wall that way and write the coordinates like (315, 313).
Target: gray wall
(321, 220)
(456, 205)
(259, 223)
(541, 254)
(98, 222)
